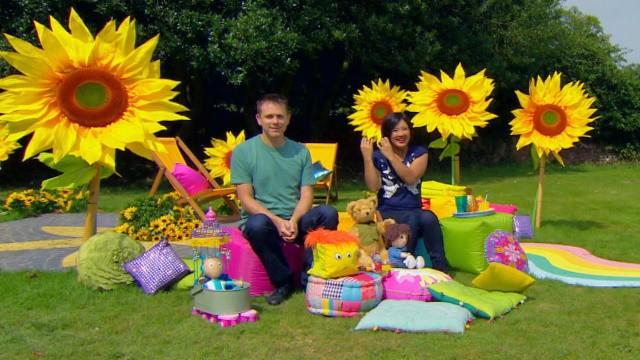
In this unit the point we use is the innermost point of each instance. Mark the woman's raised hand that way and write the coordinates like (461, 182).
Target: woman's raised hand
(385, 147)
(366, 147)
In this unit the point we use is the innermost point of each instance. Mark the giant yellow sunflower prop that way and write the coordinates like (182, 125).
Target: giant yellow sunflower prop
(552, 118)
(219, 160)
(454, 106)
(6, 146)
(86, 96)
(373, 104)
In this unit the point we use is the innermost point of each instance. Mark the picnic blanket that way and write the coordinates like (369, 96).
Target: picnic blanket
(577, 266)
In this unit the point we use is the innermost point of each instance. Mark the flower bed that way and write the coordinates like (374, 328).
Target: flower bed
(35, 202)
(154, 218)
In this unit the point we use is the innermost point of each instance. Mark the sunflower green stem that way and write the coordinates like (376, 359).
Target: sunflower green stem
(90, 227)
(538, 204)
(455, 160)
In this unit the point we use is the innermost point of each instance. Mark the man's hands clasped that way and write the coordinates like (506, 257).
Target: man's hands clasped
(287, 229)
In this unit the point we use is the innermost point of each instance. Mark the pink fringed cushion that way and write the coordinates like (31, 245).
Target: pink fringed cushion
(245, 265)
(191, 180)
(157, 268)
(502, 247)
(411, 284)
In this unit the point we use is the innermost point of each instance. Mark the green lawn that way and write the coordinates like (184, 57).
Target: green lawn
(49, 315)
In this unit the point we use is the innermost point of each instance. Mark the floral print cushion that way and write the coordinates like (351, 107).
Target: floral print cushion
(502, 247)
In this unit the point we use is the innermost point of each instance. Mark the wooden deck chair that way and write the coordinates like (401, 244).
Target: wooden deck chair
(326, 153)
(167, 161)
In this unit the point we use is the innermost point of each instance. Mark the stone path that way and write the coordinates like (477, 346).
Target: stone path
(44, 242)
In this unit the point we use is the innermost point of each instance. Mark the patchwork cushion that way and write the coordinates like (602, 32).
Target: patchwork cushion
(464, 239)
(416, 316)
(191, 180)
(504, 248)
(482, 303)
(157, 268)
(411, 284)
(501, 277)
(347, 296)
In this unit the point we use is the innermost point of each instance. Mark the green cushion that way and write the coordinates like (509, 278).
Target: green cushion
(464, 239)
(187, 282)
(100, 260)
(485, 304)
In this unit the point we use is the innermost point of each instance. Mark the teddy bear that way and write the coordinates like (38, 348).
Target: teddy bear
(369, 230)
(396, 238)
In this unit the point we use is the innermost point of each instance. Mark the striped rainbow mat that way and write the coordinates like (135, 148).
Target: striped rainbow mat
(576, 266)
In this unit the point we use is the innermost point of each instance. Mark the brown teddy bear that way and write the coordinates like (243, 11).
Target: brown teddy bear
(369, 229)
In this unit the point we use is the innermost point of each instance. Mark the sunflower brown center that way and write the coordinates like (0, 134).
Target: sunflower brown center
(549, 119)
(380, 110)
(453, 102)
(92, 97)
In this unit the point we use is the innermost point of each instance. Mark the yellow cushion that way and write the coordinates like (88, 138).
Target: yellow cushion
(443, 206)
(345, 221)
(500, 277)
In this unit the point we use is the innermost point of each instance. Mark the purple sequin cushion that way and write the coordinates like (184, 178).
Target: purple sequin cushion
(522, 227)
(157, 268)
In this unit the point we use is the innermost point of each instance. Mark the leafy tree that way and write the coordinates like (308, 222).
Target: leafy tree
(227, 53)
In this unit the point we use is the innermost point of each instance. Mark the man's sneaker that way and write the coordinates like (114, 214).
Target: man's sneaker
(279, 295)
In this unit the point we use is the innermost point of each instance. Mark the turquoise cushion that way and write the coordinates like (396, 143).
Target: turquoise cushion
(421, 250)
(416, 316)
(485, 304)
(464, 239)
(320, 172)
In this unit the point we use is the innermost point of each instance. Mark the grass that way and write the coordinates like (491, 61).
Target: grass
(50, 315)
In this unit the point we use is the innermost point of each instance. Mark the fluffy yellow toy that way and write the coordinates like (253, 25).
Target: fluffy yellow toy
(369, 229)
(335, 253)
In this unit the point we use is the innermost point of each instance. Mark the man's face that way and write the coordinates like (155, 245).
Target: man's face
(273, 118)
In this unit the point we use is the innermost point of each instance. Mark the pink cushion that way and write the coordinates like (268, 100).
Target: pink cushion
(504, 208)
(245, 264)
(411, 284)
(190, 179)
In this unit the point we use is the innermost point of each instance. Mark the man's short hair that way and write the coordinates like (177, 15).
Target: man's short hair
(273, 98)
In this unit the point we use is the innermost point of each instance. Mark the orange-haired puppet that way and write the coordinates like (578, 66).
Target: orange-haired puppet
(335, 253)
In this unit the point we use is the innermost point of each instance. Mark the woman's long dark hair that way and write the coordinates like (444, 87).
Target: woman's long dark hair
(391, 121)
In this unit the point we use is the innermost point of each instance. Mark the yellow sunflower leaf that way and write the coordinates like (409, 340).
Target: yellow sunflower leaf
(75, 172)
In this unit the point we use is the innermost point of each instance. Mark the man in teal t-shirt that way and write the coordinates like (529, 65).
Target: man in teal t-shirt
(274, 182)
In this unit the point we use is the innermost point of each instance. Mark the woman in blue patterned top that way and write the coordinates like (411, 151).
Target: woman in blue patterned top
(395, 172)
